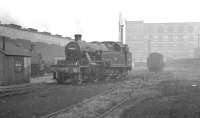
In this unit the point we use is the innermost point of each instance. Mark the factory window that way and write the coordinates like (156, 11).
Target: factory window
(175, 37)
(180, 29)
(185, 37)
(170, 37)
(160, 37)
(134, 37)
(170, 29)
(140, 37)
(155, 37)
(150, 28)
(165, 37)
(190, 29)
(146, 36)
(180, 37)
(190, 37)
(198, 29)
(160, 29)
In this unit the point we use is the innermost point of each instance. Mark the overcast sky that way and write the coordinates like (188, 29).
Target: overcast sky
(97, 20)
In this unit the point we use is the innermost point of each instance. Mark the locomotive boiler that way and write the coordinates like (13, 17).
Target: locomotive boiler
(93, 61)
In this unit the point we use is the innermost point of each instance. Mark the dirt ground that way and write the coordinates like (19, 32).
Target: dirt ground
(178, 97)
(47, 99)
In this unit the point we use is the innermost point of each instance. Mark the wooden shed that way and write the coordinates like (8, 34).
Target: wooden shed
(15, 63)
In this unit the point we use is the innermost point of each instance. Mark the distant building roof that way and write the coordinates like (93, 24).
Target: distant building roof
(15, 26)
(167, 23)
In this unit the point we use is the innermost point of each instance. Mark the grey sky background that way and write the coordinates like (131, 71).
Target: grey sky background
(97, 20)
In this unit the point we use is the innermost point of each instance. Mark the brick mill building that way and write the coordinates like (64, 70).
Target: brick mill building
(173, 40)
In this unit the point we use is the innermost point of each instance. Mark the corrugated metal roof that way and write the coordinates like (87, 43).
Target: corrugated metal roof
(18, 53)
(11, 49)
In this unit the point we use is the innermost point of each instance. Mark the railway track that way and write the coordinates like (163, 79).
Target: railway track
(99, 113)
(51, 115)
(113, 108)
(18, 89)
(127, 90)
(21, 89)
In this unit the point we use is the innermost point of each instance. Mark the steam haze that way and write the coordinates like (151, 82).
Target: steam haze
(96, 20)
(8, 18)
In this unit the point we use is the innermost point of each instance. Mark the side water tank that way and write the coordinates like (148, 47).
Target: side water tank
(155, 62)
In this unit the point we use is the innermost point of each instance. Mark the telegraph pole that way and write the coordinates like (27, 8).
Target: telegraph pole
(149, 45)
(121, 33)
(121, 29)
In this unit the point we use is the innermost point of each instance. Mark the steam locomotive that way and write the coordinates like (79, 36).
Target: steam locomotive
(92, 62)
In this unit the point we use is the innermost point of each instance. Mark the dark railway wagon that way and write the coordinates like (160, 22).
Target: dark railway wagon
(155, 62)
(93, 61)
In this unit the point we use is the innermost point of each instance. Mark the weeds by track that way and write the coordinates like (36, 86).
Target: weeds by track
(113, 98)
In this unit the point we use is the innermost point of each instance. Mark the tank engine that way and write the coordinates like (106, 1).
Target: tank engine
(93, 61)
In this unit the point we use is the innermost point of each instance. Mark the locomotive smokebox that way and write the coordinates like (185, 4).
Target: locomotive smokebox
(77, 37)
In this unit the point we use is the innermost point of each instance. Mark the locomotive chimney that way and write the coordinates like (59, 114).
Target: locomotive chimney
(77, 37)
